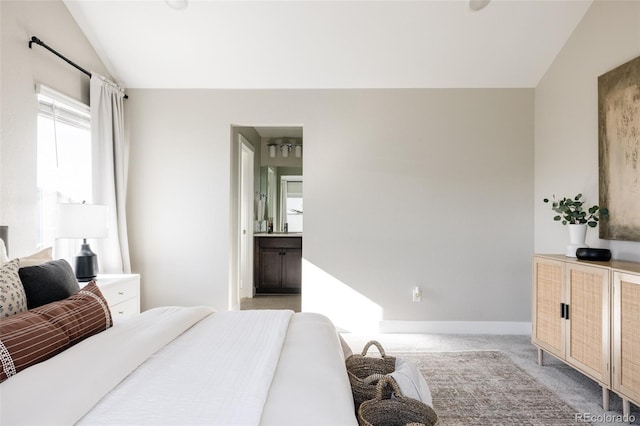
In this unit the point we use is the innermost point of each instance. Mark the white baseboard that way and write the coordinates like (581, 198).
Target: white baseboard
(455, 327)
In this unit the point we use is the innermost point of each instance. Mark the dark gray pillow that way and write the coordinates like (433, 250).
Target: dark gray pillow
(49, 282)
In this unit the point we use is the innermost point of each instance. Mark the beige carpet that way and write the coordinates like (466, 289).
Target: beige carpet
(487, 388)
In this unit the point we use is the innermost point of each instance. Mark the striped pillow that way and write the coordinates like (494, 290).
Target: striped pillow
(38, 334)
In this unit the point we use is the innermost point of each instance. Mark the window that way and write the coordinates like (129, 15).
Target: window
(63, 163)
(291, 203)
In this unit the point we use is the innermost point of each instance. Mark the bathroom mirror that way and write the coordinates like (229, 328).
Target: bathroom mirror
(281, 188)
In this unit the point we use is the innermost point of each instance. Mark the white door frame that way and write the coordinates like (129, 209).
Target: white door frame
(246, 223)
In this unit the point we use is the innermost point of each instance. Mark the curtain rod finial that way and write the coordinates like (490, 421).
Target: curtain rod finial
(36, 40)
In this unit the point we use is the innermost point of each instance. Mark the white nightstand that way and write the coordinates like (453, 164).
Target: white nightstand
(122, 292)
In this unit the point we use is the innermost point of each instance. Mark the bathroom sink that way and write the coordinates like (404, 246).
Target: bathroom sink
(279, 234)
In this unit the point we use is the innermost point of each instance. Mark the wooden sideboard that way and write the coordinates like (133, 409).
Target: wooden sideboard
(587, 314)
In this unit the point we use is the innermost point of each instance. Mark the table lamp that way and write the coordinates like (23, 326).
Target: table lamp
(83, 221)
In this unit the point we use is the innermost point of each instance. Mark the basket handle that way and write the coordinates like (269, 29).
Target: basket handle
(376, 344)
(384, 381)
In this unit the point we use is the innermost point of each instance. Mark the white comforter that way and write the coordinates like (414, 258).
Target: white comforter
(226, 358)
(189, 366)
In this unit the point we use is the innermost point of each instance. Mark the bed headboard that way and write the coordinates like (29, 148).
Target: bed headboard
(4, 235)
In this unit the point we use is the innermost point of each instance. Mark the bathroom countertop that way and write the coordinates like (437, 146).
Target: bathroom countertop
(279, 234)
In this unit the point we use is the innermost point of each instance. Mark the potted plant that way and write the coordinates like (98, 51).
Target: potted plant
(571, 212)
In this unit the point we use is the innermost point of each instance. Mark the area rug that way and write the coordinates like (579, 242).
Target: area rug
(487, 388)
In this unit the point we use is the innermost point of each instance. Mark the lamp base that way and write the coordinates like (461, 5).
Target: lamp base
(86, 264)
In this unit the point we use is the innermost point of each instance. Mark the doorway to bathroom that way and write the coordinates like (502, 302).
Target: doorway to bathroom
(273, 232)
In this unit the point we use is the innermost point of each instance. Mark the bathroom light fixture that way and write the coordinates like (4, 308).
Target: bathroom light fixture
(298, 150)
(272, 150)
(285, 148)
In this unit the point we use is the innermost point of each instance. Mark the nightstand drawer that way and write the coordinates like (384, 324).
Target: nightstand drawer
(125, 309)
(122, 292)
(119, 292)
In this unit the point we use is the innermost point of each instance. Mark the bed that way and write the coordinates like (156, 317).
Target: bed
(183, 365)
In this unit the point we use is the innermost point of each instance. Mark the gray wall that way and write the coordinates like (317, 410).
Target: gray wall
(402, 188)
(20, 69)
(566, 107)
(434, 188)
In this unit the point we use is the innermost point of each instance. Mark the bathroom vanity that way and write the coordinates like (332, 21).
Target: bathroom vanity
(278, 263)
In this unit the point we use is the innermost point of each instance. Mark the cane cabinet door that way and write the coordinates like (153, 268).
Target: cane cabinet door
(587, 335)
(626, 335)
(548, 297)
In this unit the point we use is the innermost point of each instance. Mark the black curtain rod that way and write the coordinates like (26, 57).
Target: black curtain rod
(39, 42)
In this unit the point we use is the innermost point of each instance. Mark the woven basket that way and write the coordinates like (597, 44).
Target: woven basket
(363, 366)
(396, 411)
(364, 371)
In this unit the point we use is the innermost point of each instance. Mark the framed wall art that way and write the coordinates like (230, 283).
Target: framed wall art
(619, 151)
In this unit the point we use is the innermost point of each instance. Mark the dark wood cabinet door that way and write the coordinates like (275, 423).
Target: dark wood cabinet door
(292, 270)
(270, 268)
(278, 265)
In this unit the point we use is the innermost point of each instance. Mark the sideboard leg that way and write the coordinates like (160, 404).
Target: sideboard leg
(540, 357)
(605, 399)
(626, 410)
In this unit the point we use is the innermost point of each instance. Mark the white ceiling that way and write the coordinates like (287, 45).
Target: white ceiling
(327, 44)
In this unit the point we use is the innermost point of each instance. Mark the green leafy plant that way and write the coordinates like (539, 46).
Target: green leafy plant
(571, 211)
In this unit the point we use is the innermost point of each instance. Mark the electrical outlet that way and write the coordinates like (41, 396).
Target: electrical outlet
(417, 294)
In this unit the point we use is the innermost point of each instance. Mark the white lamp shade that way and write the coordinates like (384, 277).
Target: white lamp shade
(272, 151)
(298, 150)
(82, 221)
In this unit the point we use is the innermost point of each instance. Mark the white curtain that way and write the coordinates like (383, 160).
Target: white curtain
(110, 158)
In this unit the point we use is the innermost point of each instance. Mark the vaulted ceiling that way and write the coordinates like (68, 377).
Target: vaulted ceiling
(327, 44)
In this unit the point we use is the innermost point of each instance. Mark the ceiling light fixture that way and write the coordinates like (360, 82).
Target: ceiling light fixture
(177, 4)
(477, 5)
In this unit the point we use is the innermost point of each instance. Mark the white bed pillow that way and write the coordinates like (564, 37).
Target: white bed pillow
(36, 259)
